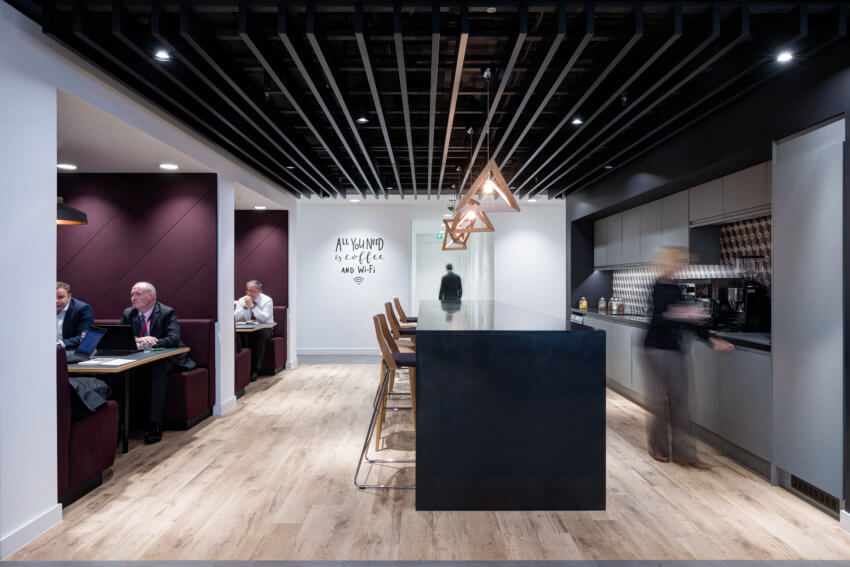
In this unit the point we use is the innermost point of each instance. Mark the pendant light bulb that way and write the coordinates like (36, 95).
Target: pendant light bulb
(489, 186)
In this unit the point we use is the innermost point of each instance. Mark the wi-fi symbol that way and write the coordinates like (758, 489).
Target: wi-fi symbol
(358, 280)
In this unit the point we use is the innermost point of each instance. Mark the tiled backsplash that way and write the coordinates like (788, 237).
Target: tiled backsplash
(737, 240)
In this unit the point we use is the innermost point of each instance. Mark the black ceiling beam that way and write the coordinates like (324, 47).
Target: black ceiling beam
(462, 41)
(560, 33)
(191, 36)
(254, 48)
(677, 33)
(376, 98)
(99, 44)
(568, 66)
(284, 36)
(568, 116)
(742, 36)
(402, 80)
(159, 35)
(120, 29)
(432, 100)
(312, 39)
(636, 103)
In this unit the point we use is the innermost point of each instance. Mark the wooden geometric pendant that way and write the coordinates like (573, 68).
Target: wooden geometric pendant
(491, 190)
(466, 222)
(453, 240)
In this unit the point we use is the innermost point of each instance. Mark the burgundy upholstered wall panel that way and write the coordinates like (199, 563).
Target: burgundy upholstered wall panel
(262, 252)
(155, 227)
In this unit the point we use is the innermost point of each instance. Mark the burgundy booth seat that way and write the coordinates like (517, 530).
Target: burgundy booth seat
(275, 358)
(86, 447)
(243, 369)
(191, 393)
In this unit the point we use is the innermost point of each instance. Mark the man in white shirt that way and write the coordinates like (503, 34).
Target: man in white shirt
(255, 306)
(73, 317)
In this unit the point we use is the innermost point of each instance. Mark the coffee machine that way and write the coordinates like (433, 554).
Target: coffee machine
(736, 304)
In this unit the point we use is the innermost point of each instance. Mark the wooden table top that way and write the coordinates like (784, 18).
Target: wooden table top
(255, 327)
(133, 360)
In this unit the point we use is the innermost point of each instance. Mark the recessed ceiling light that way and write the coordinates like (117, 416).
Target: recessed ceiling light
(532, 200)
(389, 188)
(577, 120)
(784, 57)
(169, 166)
(260, 207)
(354, 200)
(66, 166)
(491, 10)
(447, 216)
(609, 167)
(362, 120)
(290, 167)
(162, 55)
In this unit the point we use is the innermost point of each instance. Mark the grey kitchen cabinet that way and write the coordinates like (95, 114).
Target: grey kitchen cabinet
(746, 189)
(745, 390)
(618, 354)
(600, 237)
(674, 218)
(705, 201)
(705, 371)
(614, 248)
(651, 229)
(640, 372)
(631, 236)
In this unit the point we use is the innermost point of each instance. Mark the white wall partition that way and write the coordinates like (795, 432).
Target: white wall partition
(351, 259)
(530, 258)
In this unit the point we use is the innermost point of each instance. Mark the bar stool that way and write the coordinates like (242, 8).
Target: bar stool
(399, 332)
(402, 315)
(395, 347)
(391, 363)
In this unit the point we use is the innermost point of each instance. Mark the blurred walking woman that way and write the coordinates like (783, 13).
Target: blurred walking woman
(668, 383)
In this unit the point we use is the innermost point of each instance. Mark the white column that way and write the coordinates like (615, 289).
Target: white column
(291, 310)
(225, 351)
(28, 499)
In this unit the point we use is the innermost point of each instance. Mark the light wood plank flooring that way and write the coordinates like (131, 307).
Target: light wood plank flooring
(273, 480)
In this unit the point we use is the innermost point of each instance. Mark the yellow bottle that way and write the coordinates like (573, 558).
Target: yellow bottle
(582, 304)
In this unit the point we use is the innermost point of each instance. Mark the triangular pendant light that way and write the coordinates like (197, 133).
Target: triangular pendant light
(491, 189)
(465, 221)
(453, 240)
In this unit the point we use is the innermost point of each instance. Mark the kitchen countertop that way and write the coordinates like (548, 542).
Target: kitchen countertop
(486, 315)
(758, 341)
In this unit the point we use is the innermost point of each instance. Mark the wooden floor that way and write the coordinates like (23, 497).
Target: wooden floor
(273, 480)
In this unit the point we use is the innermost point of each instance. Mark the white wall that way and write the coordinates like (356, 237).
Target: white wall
(530, 258)
(32, 68)
(334, 312)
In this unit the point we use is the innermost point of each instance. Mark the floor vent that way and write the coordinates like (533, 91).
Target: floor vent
(827, 500)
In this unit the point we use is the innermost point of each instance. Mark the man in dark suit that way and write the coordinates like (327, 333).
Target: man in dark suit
(155, 326)
(72, 317)
(450, 287)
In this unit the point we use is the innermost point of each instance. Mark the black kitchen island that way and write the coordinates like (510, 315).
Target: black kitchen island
(510, 410)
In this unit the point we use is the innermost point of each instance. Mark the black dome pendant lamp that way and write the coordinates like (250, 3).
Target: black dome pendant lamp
(68, 215)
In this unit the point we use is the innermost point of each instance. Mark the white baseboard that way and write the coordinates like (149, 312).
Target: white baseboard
(844, 521)
(336, 351)
(290, 364)
(29, 531)
(224, 407)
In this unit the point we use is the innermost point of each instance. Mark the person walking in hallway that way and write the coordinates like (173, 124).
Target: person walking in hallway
(450, 287)
(255, 306)
(668, 380)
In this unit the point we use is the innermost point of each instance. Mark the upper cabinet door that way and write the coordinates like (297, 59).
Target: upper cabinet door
(745, 189)
(600, 237)
(631, 236)
(674, 216)
(651, 229)
(706, 201)
(614, 255)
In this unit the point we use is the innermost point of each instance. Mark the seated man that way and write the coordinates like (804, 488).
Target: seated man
(255, 306)
(72, 317)
(155, 326)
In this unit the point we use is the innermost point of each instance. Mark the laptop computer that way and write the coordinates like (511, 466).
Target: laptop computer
(85, 350)
(118, 341)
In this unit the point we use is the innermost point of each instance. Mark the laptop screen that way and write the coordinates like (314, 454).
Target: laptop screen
(89, 342)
